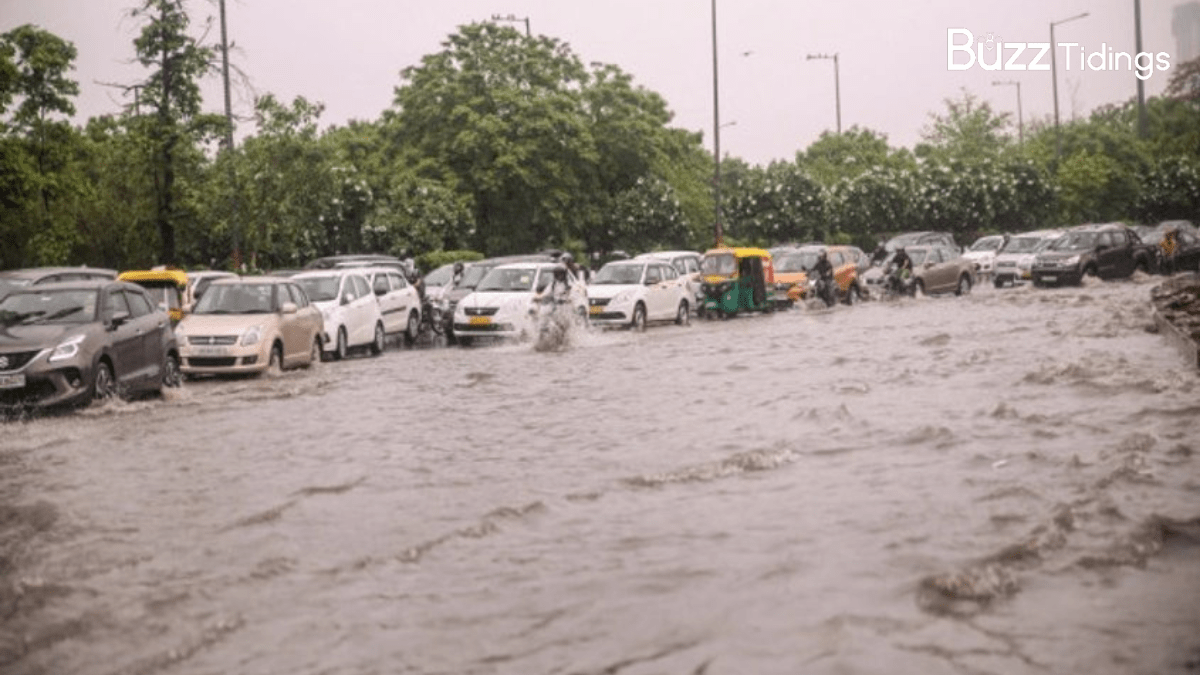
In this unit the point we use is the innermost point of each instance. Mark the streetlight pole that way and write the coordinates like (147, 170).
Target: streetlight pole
(837, 84)
(236, 225)
(516, 19)
(1054, 80)
(1141, 86)
(716, 132)
(1020, 119)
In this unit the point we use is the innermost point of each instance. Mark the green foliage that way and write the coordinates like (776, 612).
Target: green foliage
(779, 203)
(968, 130)
(432, 260)
(1171, 191)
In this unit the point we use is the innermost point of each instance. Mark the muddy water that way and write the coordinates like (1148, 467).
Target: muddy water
(1003, 483)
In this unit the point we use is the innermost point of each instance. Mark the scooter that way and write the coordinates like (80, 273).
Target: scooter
(825, 290)
(553, 322)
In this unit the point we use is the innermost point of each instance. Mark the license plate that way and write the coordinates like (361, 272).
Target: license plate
(1049, 277)
(480, 321)
(210, 351)
(12, 381)
(595, 309)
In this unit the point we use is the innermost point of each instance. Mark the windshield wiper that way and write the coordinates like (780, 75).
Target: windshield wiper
(65, 311)
(14, 318)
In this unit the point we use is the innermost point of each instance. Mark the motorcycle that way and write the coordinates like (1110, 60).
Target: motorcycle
(553, 321)
(824, 289)
(432, 328)
(898, 283)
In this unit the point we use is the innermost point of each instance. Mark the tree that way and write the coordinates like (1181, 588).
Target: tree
(177, 64)
(835, 157)
(969, 130)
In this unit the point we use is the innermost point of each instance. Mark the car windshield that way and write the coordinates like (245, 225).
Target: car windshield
(720, 263)
(1076, 241)
(623, 273)
(796, 262)
(988, 244)
(473, 275)
(237, 299)
(439, 277)
(65, 306)
(918, 255)
(1023, 244)
(320, 289)
(508, 280)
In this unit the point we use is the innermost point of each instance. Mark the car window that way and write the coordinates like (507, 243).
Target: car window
(653, 274)
(670, 272)
(114, 301)
(380, 286)
(398, 281)
(1106, 239)
(139, 304)
(361, 284)
(298, 295)
(51, 279)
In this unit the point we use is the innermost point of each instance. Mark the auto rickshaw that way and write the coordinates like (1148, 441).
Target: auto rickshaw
(165, 286)
(737, 280)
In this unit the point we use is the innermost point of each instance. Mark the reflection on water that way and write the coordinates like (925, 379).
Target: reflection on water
(1001, 483)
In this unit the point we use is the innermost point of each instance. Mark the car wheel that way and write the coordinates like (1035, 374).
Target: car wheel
(964, 285)
(1089, 271)
(171, 377)
(378, 344)
(314, 355)
(275, 365)
(683, 317)
(853, 295)
(103, 384)
(918, 288)
(638, 323)
(413, 329)
(342, 347)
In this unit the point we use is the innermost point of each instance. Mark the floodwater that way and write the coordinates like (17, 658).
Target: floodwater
(1001, 483)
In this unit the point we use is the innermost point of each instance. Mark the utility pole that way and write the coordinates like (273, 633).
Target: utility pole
(716, 131)
(1054, 80)
(1020, 120)
(1141, 86)
(235, 223)
(837, 84)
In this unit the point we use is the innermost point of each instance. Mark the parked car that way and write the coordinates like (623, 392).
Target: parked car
(500, 305)
(634, 293)
(937, 269)
(473, 274)
(983, 253)
(166, 287)
(249, 325)
(11, 280)
(352, 317)
(69, 343)
(1109, 251)
(399, 301)
(687, 263)
(1014, 262)
(1187, 252)
(792, 267)
(360, 260)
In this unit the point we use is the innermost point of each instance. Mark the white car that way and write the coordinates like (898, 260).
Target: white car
(983, 253)
(636, 292)
(500, 305)
(351, 312)
(1014, 262)
(399, 302)
(687, 263)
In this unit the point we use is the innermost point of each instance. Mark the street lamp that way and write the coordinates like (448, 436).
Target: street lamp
(515, 19)
(1054, 80)
(837, 87)
(1020, 120)
(716, 132)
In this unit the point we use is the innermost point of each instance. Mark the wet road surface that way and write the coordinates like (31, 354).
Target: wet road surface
(1000, 483)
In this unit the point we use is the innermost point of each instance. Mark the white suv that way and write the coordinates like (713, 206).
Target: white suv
(635, 292)
(500, 305)
(351, 312)
(1014, 262)
(399, 301)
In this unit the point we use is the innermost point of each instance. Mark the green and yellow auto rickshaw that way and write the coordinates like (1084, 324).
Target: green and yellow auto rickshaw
(165, 286)
(737, 280)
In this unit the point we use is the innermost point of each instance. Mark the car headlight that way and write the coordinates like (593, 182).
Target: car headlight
(66, 349)
(251, 336)
(621, 298)
(1073, 260)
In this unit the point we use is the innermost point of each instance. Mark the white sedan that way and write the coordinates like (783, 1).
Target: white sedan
(634, 293)
(500, 305)
(351, 312)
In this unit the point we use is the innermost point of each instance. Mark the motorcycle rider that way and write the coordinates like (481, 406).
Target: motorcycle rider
(902, 266)
(1167, 249)
(823, 270)
(414, 278)
(457, 275)
(559, 289)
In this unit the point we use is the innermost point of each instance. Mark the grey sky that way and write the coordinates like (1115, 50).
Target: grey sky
(348, 54)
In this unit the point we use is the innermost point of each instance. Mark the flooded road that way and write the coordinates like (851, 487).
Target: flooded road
(1001, 483)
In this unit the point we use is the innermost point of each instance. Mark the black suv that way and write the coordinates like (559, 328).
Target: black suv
(1108, 251)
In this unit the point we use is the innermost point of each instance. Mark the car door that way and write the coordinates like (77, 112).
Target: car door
(292, 330)
(1107, 256)
(407, 299)
(387, 299)
(152, 325)
(935, 272)
(308, 319)
(652, 282)
(125, 341)
(368, 308)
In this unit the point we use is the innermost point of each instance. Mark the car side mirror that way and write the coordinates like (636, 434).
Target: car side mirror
(345, 300)
(187, 309)
(119, 319)
(379, 292)
(288, 308)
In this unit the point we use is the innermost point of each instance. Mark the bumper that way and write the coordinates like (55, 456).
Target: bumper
(230, 360)
(40, 385)
(1059, 276)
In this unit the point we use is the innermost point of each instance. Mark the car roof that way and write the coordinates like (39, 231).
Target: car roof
(265, 279)
(326, 262)
(538, 264)
(667, 254)
(334, 272)
(39, 272)
(80, 285)
(1099, 227)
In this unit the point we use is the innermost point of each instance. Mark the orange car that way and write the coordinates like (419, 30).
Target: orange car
(792, 266)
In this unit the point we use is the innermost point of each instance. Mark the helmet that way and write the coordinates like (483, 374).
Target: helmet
(566, 259)
(823, 256)
(413, 276)
(458, 267)
(560, 273)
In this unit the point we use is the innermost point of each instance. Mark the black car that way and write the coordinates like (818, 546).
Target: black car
(1108, 251)
(70, 343)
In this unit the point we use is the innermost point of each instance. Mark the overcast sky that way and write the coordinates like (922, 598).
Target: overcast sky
(348, 54)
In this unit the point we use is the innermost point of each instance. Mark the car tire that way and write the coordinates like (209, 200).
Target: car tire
(380, 341)
(918, 288)
(1089, 271)
(413, 329)
(683, 316)
(853, 296)
(275, 365)
(104, 385)
(314, 355)
(638, 322)
(342, 349)
(964, 286)
(172, 376)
